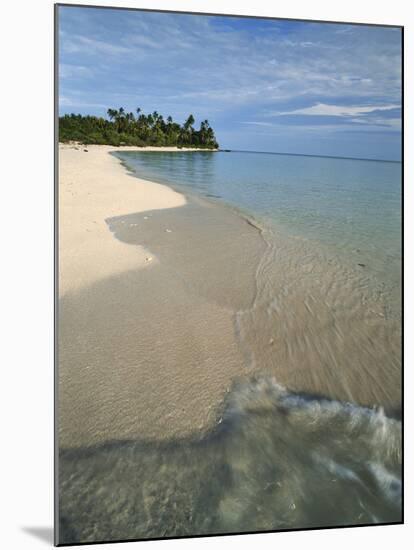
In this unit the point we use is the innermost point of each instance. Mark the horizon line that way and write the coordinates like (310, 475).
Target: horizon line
(308, 155)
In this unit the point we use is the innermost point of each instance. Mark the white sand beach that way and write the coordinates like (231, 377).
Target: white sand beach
(94, 186)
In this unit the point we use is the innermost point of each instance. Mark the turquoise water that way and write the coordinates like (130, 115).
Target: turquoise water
(350, 206)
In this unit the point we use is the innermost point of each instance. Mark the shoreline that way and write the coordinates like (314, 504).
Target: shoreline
(92, 189)
(162, 344)
(330, 359)
(192, 196)
(154, 340)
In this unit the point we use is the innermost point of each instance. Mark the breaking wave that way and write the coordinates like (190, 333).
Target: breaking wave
(276, 460)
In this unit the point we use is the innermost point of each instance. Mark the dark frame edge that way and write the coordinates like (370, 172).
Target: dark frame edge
(237, 533)
(402, 279)
(178, 12)
(55, 269)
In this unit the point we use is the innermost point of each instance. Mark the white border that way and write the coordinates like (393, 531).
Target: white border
(26, 352)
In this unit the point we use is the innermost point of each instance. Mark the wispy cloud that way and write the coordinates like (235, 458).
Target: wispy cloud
(89, 46)
(74, 71)
(65, 101)
(323, 109)
(256, 123)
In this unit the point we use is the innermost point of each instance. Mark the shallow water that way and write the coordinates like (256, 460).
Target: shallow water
(277, 460)
(310, 435)
(351, 206)
(326, 315)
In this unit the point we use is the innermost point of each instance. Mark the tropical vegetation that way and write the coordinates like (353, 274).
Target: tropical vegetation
(123, 128)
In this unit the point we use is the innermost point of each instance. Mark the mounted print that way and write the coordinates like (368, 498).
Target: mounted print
(228, 274)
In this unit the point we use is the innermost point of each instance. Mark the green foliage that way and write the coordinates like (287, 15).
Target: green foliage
(122, 128)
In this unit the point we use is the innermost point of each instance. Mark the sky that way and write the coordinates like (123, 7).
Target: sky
(263, 84)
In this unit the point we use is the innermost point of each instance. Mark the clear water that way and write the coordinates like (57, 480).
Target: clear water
(351, 206)
(304, 447)
(276, 461)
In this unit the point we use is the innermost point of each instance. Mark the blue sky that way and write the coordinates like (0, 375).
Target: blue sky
(265, 85)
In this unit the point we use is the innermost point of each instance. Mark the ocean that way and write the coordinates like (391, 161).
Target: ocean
(310, 435)
(350, 206)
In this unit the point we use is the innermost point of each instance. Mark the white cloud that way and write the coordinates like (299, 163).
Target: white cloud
(67, 101)
(257, 123)
(74, 71)
(322, 109)
(85, 45)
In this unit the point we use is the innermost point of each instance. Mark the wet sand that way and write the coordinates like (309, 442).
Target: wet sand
(151, 352)
(148, 348)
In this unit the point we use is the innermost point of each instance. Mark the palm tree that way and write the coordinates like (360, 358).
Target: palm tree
(112, 113)
(203, 133)
(187, 129)
(189, 122)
